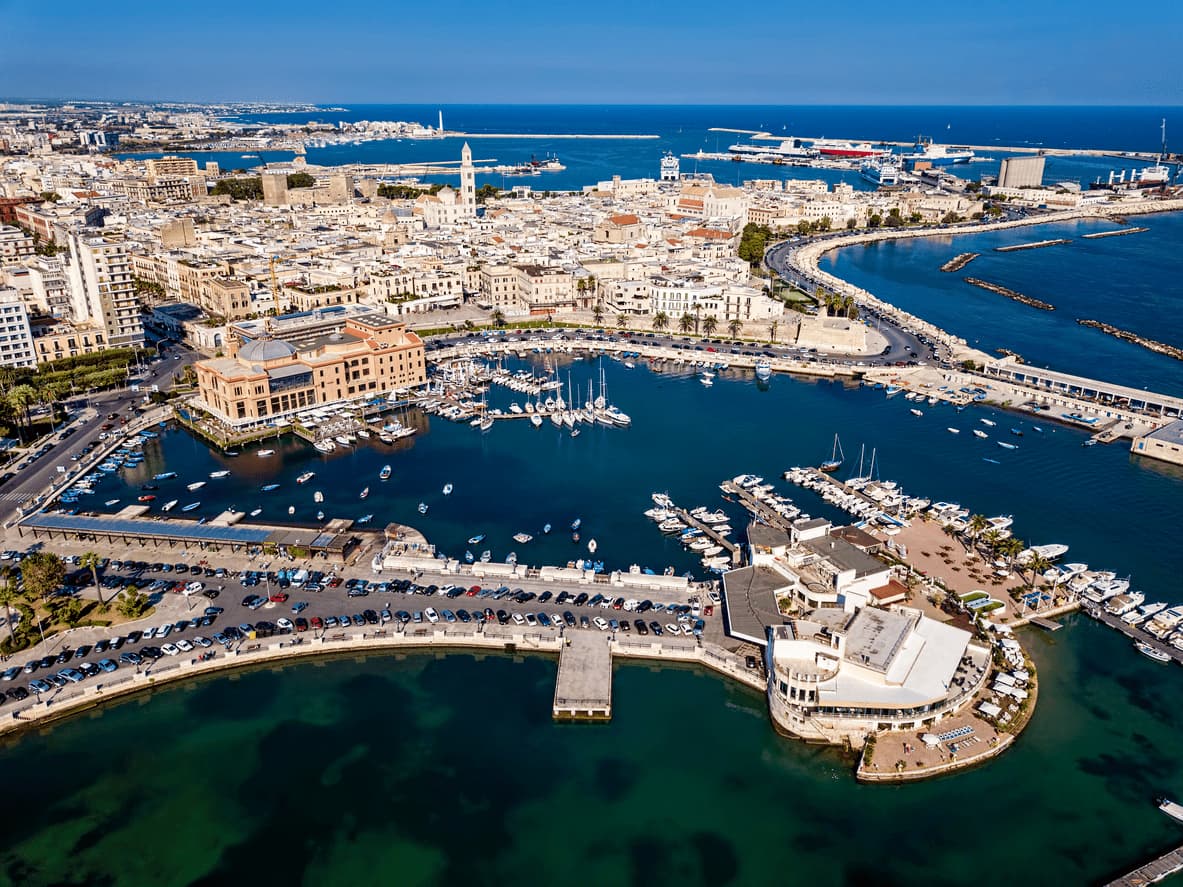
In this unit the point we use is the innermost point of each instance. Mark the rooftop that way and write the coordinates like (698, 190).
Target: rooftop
(845, 556)
(749, 602)
(1171, 433)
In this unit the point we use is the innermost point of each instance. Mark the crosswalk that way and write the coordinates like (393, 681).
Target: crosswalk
(17, 496)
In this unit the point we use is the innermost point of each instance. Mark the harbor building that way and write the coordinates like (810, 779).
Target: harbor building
(841, 675)
(270, 378)
(1021, 172)
(1164, 443)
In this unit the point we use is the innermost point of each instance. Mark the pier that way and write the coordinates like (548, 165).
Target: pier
(959, 261)
(583, 689)
(707, 530)
(1133, 632)
(1119, 233)
(758, 509)
(1037, 244)
(1152, 872)
(1011, 294)
(1045, 624)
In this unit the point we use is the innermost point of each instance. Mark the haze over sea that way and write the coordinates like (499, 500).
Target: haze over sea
(448, 770)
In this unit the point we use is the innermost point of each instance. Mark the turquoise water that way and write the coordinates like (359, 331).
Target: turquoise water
(1130, 282)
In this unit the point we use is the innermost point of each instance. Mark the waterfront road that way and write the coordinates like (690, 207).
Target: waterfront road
(33, 473)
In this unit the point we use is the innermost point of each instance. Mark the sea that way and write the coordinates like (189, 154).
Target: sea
(433, 769)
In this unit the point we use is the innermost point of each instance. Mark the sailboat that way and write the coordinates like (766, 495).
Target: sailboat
(836, 457)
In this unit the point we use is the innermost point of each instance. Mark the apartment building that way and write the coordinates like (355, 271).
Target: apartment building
(16, 339)
(101, 288)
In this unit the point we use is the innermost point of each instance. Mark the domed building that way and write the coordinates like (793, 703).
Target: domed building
(289, 364)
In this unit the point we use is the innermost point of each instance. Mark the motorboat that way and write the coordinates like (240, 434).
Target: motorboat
(256, 512)
(218, 475)
(196, 485)
(1171, 809)
(164, 475)
(305, 477)
(546, 529)
(365, 492)
(320, 515)
(267, 488)
(592, 545)
(988, 422)
(318, 496)
(111, 502)
(264, 453)
(916, 412)
(522, 538)
(1007, 446)
(953, 430)
(978, 433)
(384, 474)
(325, 446)
(291, 509)
(146, 498)
(423, 508)
(447, 489)
(365, 518)
(576, 524)
(1158, 656)
(477, 539)
(191, 506)
(169, 505)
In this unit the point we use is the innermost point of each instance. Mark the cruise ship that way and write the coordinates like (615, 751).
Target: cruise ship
(832, 148)
(788, 149)
(927, 151)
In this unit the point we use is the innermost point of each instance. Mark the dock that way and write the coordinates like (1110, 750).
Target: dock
(583, 690)
(755, 507)
(1152, 872)
(1037, 244)
(1118, 233)
(1046, 624)
(1133, 632)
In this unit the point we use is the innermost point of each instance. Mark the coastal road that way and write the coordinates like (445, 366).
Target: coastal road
(33, 475)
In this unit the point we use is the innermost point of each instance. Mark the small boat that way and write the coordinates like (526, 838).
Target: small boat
(164, 475)
(953, 430)
(987, 422)
(1091, 442)
(1152, 652)
(707, 382)
(592, 546)
(196, 485)
(190, 506)
(230, 453)
(1171, 809)
(384, 474)
(1037, 429)
(169, 505)
(147, 498)
(447, 489)
(149, 487)
(325, 446)
(256, 512)
(575, 432)
(978, 433)
(536, 420)
(546, 529)
(267, 488)
(305, 477)
(522, 538)
(468, 557)
(577, 523)
(1007, 446)
(477, 539)
(320, 515)
(365, 518)
(916, 412)
(110, 502)
(365, 492)
(1017, 432)
(263, 453)
(291, 509)
(318, 496)
(574, 537)
(486, 556)
(218, 475)
(991, 461)
(836, 458)
(423, 508)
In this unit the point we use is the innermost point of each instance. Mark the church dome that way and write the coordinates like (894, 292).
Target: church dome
(265, 349)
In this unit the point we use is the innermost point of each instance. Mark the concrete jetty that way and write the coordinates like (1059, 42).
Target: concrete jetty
(1134, 632)
(1152, 872)
(583, 690)
(1119, 233)
(1036, 244)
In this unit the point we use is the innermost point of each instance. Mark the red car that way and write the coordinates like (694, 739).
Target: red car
(473, 592)
(335, 582)
(317, 623)
(279, 597)
(301, 624)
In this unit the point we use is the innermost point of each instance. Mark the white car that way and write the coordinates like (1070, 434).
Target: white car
(631, 604)
(671, 628)
(193, 588)
(519, 619)
(184, 646)
(203, 641)
(284, 623)
(431, 615)
(169, 650)
(163, 631)
(149, 633)
(601, 623)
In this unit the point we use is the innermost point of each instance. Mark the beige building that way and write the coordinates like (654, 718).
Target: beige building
(545, 290)
(101, 289)
(1021, 172)
(1166, 443)
(369, 355)
(15, 245)
(55, 340)
(170, 167)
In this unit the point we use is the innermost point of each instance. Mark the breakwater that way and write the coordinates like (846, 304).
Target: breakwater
(1011, 294)
(1037, 244)
(959, 261)
(1119, 233)
(1127, 336)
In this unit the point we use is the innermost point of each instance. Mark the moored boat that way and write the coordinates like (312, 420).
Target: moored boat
(384, 474)
(190, 506)
(305, 477)
(1152, 653)
(265, 453)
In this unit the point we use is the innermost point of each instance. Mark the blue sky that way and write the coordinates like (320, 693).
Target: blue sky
(611, 51)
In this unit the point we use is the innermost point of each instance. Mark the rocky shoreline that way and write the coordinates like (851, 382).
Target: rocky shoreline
(1127, 336)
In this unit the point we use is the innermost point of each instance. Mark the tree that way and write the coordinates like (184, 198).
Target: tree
(894, 219)
(709, 324)
(686, 322)
(598, 314)
(622, 320)
(132, 603)
(976, 524)
(1037, 564)
(21, 398)
(9, 595)
(90, 561)
(43, 573)
(772, 327)
(875, 220)
(851, 224)
(734, 326)
(70, 611)
(752, 243)
(661, 321)
(498, 318)
(249, 188)
(487, 192)
(300, 180)
(825, 223)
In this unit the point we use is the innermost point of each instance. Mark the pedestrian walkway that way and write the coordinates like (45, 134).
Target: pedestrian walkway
(584, 686)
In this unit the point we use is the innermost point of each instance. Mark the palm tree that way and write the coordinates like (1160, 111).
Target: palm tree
(9, 594)
(709, 324)
(498, 318)
(1037, 564)
(976, 524)
(686, 322)
(622, 320)
(734, 326)
(21, 398)
(772, 331)
(992, 538)
(91, 559)
(598, 314)
(661, 320)
(697, 318)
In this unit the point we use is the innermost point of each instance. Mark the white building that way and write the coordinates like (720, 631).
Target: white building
(101, 289)
(16, 339)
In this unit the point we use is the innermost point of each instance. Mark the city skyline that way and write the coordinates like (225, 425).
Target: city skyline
(364, 53)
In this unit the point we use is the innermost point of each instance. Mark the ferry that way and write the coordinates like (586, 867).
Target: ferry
(880, 173)
(265, 453)
(169, 505)
(384, 474)
(267, 488)
(305, 477)
(217, 475)
(925, 150)
(1158, 656)
(832, 148)
(190, 506)
(788, 149)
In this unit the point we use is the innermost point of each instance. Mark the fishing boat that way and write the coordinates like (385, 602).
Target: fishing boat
(263, 453)
(318, 496)
(916, 412)
(164, 475)
(190, 506)
(447, 489)
(267, 488)
(592, 546)
(980, 433)
(305, 477)
(148, 498)
(477, 539)
(836, 458)
(217, 475)
(1152, 653)
(522, 538)
(953, 430)
(576, 524)
(196, 485)
(1007, 446)
(423, 508)
(256, 512)
(365, 492)
(169, 505)
(384, 474)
